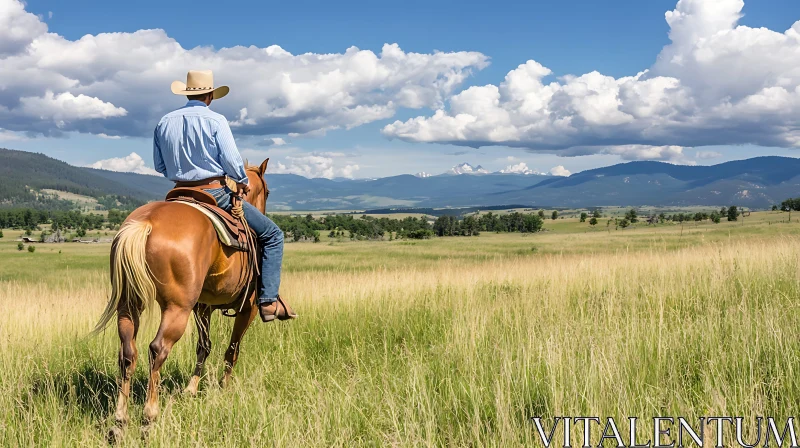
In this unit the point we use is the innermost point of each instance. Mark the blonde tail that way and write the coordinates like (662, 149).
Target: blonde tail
(131, 279)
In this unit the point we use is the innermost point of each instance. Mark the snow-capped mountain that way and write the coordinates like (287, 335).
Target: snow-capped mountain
(466, 168)
(520, 168)
(423, 174)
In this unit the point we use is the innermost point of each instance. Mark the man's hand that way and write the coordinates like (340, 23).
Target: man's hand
(242, 189)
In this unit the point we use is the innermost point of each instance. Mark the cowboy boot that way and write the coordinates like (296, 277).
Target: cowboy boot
(276, 310)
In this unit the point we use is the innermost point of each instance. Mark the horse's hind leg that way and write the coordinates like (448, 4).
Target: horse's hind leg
(240, 325)
(128, 327)
(173, 325)
(202, 317)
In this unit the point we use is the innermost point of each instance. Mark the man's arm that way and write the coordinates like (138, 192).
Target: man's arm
(229, 156)
(158, 159)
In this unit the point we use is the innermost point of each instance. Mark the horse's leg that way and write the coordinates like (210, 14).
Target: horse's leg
(202, 318)
(240, 325)
(128, 327)
(173, 324)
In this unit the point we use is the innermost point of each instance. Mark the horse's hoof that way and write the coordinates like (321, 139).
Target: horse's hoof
(147, 427)
(115, 434)
(189, 392)
(191, 389)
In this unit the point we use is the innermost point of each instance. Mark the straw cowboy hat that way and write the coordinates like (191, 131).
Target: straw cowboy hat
(199, 82)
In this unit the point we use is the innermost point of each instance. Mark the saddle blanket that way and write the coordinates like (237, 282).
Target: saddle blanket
(219, 226)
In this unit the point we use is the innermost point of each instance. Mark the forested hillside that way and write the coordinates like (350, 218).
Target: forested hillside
(23, 175)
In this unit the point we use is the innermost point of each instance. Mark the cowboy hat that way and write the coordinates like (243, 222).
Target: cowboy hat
(199, 82)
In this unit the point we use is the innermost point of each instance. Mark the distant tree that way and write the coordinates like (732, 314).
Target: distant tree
(31, 249)
(632, 216)
(584, 215)
(28, 232)
(1, 233)
(774, 208)
(332, 234)
(624, 223)
(789, 205)
(733, 213)
(81, 232)
(593, 221)
(20, 246)
(662, 217)
(541, 214)
(723, 211)
(596, 213)
(716, 217)
(555, 214)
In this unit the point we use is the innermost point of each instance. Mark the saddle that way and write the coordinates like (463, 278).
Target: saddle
(231, 232)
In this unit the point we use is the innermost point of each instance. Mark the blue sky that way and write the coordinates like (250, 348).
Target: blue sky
(616, 39)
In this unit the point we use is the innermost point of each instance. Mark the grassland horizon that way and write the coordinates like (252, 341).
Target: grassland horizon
(455, 341)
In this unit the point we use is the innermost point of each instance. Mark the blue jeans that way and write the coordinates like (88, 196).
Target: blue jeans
(270, 242)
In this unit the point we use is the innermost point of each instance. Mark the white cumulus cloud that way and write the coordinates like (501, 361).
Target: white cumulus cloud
(133, 163)
(314, 166)
(118, 83)
(559, 171)
(716, 83)
(518, 168)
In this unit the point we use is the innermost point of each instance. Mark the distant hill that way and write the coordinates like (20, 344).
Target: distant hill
(145, 187)
(23, 175)
(756, 183)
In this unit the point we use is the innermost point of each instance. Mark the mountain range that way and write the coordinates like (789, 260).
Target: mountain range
(756, 183)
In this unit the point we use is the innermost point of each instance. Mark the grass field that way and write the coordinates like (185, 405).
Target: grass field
(450, 341)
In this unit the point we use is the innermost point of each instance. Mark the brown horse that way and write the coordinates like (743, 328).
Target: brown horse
(169, 253)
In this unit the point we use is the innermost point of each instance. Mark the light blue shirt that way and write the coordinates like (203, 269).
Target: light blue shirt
(195, 143)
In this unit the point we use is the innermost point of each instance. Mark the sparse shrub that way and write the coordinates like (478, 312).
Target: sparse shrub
(631, 216)
(20, 246)
(593, 221)
(733, 213)
(31, 249)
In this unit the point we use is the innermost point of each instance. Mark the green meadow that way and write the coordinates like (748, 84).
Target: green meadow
(453, 341)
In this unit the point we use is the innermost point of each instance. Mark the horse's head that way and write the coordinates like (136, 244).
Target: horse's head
(258, 186)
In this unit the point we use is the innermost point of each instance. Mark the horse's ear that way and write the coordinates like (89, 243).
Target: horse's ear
(263, 168)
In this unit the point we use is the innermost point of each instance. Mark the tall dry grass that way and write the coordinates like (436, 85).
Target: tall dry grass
(456, 352)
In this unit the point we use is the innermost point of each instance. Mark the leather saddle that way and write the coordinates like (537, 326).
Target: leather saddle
(230, 231)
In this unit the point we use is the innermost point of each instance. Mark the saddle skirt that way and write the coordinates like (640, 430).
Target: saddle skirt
(230, 231)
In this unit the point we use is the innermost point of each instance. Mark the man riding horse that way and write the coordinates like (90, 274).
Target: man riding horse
(193, 147)
(179, 254)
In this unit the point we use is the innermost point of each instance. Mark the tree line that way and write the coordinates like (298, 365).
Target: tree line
(302, 228)
(29, 219)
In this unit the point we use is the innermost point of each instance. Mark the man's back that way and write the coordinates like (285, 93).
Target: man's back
(195, 143)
